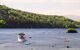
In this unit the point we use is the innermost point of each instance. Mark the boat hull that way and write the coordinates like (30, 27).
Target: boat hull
(21, 40)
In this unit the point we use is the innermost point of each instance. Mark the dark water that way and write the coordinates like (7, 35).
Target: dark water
(40, 38)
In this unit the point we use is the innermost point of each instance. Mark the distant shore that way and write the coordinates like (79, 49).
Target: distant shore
(36, 28)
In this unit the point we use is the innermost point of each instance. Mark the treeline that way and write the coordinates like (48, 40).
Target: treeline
(11, 18)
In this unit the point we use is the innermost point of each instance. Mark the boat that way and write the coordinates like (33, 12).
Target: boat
(21, 37)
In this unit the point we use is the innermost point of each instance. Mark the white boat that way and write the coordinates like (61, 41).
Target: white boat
(21, 37)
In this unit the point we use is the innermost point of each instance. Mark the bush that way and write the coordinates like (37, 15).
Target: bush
(71, 30)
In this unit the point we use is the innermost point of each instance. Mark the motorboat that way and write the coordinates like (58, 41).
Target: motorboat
(21, 37)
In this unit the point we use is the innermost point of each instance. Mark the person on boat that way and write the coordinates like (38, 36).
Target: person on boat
(21, 37)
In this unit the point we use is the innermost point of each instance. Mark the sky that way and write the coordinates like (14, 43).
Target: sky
(48, 7)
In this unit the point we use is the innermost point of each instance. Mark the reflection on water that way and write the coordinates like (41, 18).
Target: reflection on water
(41, 38)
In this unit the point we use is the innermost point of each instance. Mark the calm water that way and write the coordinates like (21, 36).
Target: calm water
(43, 38)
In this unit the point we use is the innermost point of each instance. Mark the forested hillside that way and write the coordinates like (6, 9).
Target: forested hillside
(11, 18)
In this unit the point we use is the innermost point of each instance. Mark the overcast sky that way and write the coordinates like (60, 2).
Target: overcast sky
(52, 7)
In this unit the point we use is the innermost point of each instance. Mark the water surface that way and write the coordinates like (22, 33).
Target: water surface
(41, 38)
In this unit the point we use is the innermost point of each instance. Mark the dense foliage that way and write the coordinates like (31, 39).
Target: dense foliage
(11, 18)
(71, 30)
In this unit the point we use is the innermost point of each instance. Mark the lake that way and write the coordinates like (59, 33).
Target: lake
(41, 38)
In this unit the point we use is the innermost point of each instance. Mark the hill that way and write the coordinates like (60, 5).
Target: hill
(11, 18)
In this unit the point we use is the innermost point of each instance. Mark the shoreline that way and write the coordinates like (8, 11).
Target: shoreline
(36, 28)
